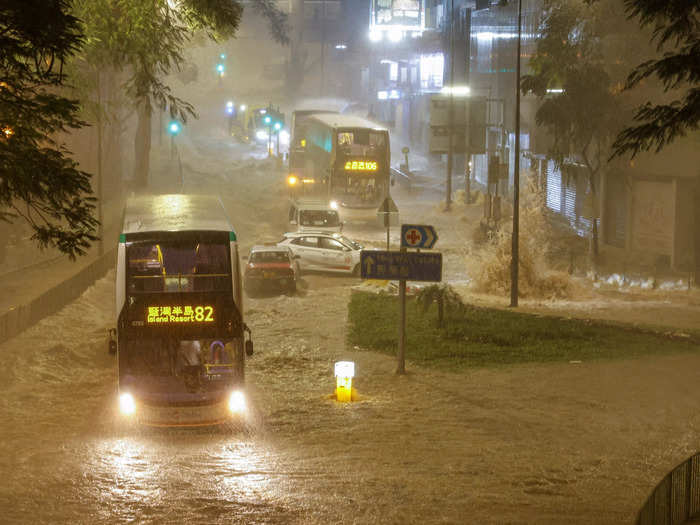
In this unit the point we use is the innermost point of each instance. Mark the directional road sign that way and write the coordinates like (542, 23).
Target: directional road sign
(409, 266)
(418, 236)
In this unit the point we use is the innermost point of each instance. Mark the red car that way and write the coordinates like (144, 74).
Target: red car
(271, 267)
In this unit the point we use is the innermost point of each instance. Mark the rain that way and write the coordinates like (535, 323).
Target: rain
(335, 106)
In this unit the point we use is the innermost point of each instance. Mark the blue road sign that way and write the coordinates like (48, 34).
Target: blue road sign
(409, 266)
(418, 236)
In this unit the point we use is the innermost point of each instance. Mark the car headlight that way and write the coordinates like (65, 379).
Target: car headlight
(236, 402)
(127, 405)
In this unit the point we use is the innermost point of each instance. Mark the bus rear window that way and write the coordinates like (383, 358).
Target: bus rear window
(176, 267)
(361, 137)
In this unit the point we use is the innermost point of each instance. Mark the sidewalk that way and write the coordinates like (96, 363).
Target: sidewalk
(21, 286)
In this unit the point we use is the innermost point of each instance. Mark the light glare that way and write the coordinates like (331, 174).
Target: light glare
(127, 405)
(236, 403)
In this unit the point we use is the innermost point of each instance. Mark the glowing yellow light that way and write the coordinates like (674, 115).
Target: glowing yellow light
(308, 181)
(8, 132)
(303, 143)
(361, 165)
(127, 405)
(236, 402)
(180, 314)
(292, 180)
(344, 372)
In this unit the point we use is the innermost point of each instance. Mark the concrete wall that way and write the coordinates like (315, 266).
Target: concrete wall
(22, 317)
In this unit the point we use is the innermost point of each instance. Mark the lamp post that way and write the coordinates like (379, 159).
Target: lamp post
(516, 175)
(450, 121)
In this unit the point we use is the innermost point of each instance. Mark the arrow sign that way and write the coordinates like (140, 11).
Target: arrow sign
(418, 236)
(388, 206)
(368, 263)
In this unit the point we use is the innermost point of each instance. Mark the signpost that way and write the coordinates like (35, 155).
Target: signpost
(404, 266)
(387, 207)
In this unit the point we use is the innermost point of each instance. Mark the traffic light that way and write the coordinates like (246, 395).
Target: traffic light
(174, 127)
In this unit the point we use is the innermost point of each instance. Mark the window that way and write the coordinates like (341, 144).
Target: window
(322, 218)
(310, 242)
(178, 266)
(269, 257)
(331, 244)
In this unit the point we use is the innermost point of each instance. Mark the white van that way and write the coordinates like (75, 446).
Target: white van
(314, 216)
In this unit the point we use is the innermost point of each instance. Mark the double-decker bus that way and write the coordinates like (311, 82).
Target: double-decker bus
(343, 158)
(181, 342)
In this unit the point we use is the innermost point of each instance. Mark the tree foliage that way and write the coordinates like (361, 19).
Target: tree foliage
(39, 182)
(584, 114)
(676, 33)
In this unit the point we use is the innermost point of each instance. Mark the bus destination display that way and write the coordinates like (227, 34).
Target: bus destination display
(180, 314)
(361, 165)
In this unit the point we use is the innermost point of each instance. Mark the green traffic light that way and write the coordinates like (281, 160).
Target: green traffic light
(174, 127)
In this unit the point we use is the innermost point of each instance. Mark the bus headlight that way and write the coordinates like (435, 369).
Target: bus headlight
(127, 405)
(334, 205)
(236, 402)
(292, 180)
(261, 134)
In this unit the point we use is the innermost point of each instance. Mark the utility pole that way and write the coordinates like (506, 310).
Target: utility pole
(516, 175)
(323, 45)
(450, 118)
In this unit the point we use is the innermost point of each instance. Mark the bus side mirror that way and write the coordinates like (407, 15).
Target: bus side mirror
(249, 348)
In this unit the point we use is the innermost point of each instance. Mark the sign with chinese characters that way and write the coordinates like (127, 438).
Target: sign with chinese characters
(361, 165)
(180, 314)
(409, 266)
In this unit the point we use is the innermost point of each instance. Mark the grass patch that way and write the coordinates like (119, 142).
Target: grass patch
(478, 337)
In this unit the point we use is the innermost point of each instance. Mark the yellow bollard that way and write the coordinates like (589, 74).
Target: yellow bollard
(344, 372)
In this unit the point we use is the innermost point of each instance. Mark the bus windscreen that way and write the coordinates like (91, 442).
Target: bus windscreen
(178, 267)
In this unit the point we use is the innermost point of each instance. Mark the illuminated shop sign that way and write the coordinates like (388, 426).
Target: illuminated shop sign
(361, 165)
(401, 15)
(180, 314)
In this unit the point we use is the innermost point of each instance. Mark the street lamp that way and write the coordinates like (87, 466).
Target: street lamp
(516, 175)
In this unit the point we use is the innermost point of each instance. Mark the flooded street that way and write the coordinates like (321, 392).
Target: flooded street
(581, 443)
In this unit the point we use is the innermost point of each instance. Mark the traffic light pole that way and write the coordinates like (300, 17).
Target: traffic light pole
(450, 122)
(516, 176)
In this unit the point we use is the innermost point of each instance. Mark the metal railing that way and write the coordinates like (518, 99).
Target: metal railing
(676, 499)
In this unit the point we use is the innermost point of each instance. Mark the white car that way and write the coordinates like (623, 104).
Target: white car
(324, 251)
(314, 216)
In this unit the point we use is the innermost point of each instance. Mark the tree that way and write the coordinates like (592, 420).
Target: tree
(676, 25)
(39, 182)
(147, 38)
(584, 113)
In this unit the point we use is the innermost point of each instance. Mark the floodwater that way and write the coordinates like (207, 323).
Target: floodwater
(546, 444)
